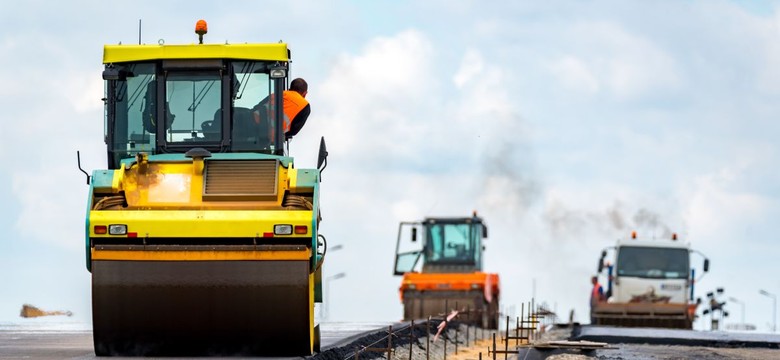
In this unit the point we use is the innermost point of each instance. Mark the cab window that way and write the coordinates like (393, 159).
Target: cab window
(134, 112)
(253, 108)
(193, 103)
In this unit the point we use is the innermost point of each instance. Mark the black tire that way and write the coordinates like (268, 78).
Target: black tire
(317, 339)
(101, 349)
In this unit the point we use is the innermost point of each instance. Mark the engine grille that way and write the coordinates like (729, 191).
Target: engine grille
(226, 180)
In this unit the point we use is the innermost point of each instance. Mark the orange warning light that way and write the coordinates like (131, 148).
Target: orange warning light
(633, 234)
(201, 28)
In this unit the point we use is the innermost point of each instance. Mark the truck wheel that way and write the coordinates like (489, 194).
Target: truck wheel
(317, 340)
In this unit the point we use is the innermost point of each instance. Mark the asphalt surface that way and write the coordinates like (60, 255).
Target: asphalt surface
(676, 337)
(654, 344)
(74, 341)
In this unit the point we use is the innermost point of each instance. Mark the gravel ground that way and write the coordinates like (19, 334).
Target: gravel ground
(401, 347)
(401, 344)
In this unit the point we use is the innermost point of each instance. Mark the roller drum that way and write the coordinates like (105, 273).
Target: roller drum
(201, 307)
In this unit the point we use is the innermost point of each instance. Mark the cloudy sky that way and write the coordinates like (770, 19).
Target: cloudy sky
(565, 124)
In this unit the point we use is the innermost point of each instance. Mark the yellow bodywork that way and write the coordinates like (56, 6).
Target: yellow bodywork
(156, 255)
(199, 223)
(179, 186)
(259, 52)
(165, 200)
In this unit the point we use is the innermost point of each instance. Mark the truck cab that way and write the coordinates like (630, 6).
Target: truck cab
(650, 283)
(651, 268)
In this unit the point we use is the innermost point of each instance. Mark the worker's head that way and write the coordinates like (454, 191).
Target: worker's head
(300, 86)
(594, 280)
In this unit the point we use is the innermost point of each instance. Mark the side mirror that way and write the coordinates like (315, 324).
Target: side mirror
(601, 260)
(484, 231)
(698, 301)
(706, 265)
(322, 158)
(78, 162)
(414, 234)
(112, 73)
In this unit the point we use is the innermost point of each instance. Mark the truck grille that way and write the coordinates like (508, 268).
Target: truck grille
(227, 180)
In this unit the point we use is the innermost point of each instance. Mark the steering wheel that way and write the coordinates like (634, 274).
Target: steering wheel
(206, 125)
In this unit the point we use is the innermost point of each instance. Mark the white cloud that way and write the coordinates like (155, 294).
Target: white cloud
(716, 210)
(606, 55)
(575, 75)
(471, 66)
(379, 92)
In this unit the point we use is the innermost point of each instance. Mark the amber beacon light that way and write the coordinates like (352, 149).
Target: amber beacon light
(201, 28)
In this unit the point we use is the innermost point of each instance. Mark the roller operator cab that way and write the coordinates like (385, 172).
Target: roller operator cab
(201, 236)
(650, 283)
(442, 271)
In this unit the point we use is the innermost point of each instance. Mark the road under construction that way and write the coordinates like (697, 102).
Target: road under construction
(534, 335)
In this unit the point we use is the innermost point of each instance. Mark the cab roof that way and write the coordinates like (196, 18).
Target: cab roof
(257, 52)
(659, 243)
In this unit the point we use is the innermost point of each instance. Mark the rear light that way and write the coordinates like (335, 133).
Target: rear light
(283, 229)
(301, 229)
(117, 229)
(101, 229)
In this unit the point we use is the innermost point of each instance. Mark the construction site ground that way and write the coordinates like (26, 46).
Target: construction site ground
(348, 341)
(622, 343)
(644, 344)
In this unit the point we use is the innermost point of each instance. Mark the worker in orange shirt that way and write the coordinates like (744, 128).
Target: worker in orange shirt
(596, 294)
(295, 107)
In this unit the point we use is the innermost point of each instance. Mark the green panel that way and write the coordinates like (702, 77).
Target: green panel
(307, 177)
(102, 180)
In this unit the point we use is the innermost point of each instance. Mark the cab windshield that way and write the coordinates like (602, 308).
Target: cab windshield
(227, 106)
(192, 100)
(651, 262)
(452, 243)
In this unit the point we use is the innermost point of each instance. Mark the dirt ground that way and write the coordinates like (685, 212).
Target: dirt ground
(484, 342)
(622, 351)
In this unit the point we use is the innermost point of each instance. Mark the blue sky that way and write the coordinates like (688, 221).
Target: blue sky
(549, 118)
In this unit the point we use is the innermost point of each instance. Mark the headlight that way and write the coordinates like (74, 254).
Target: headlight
(283, 229)
(277, 73)
(117, 229)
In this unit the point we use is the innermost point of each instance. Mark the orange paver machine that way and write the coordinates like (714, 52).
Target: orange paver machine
(450, 274)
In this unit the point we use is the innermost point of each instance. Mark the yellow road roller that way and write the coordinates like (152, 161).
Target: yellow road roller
(202, 236)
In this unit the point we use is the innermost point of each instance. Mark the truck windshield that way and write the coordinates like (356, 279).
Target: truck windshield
(652, 262)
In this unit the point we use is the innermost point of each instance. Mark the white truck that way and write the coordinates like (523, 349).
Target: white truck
(649, 284)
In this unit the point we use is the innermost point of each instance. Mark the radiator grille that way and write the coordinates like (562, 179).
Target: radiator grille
(240, 180)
